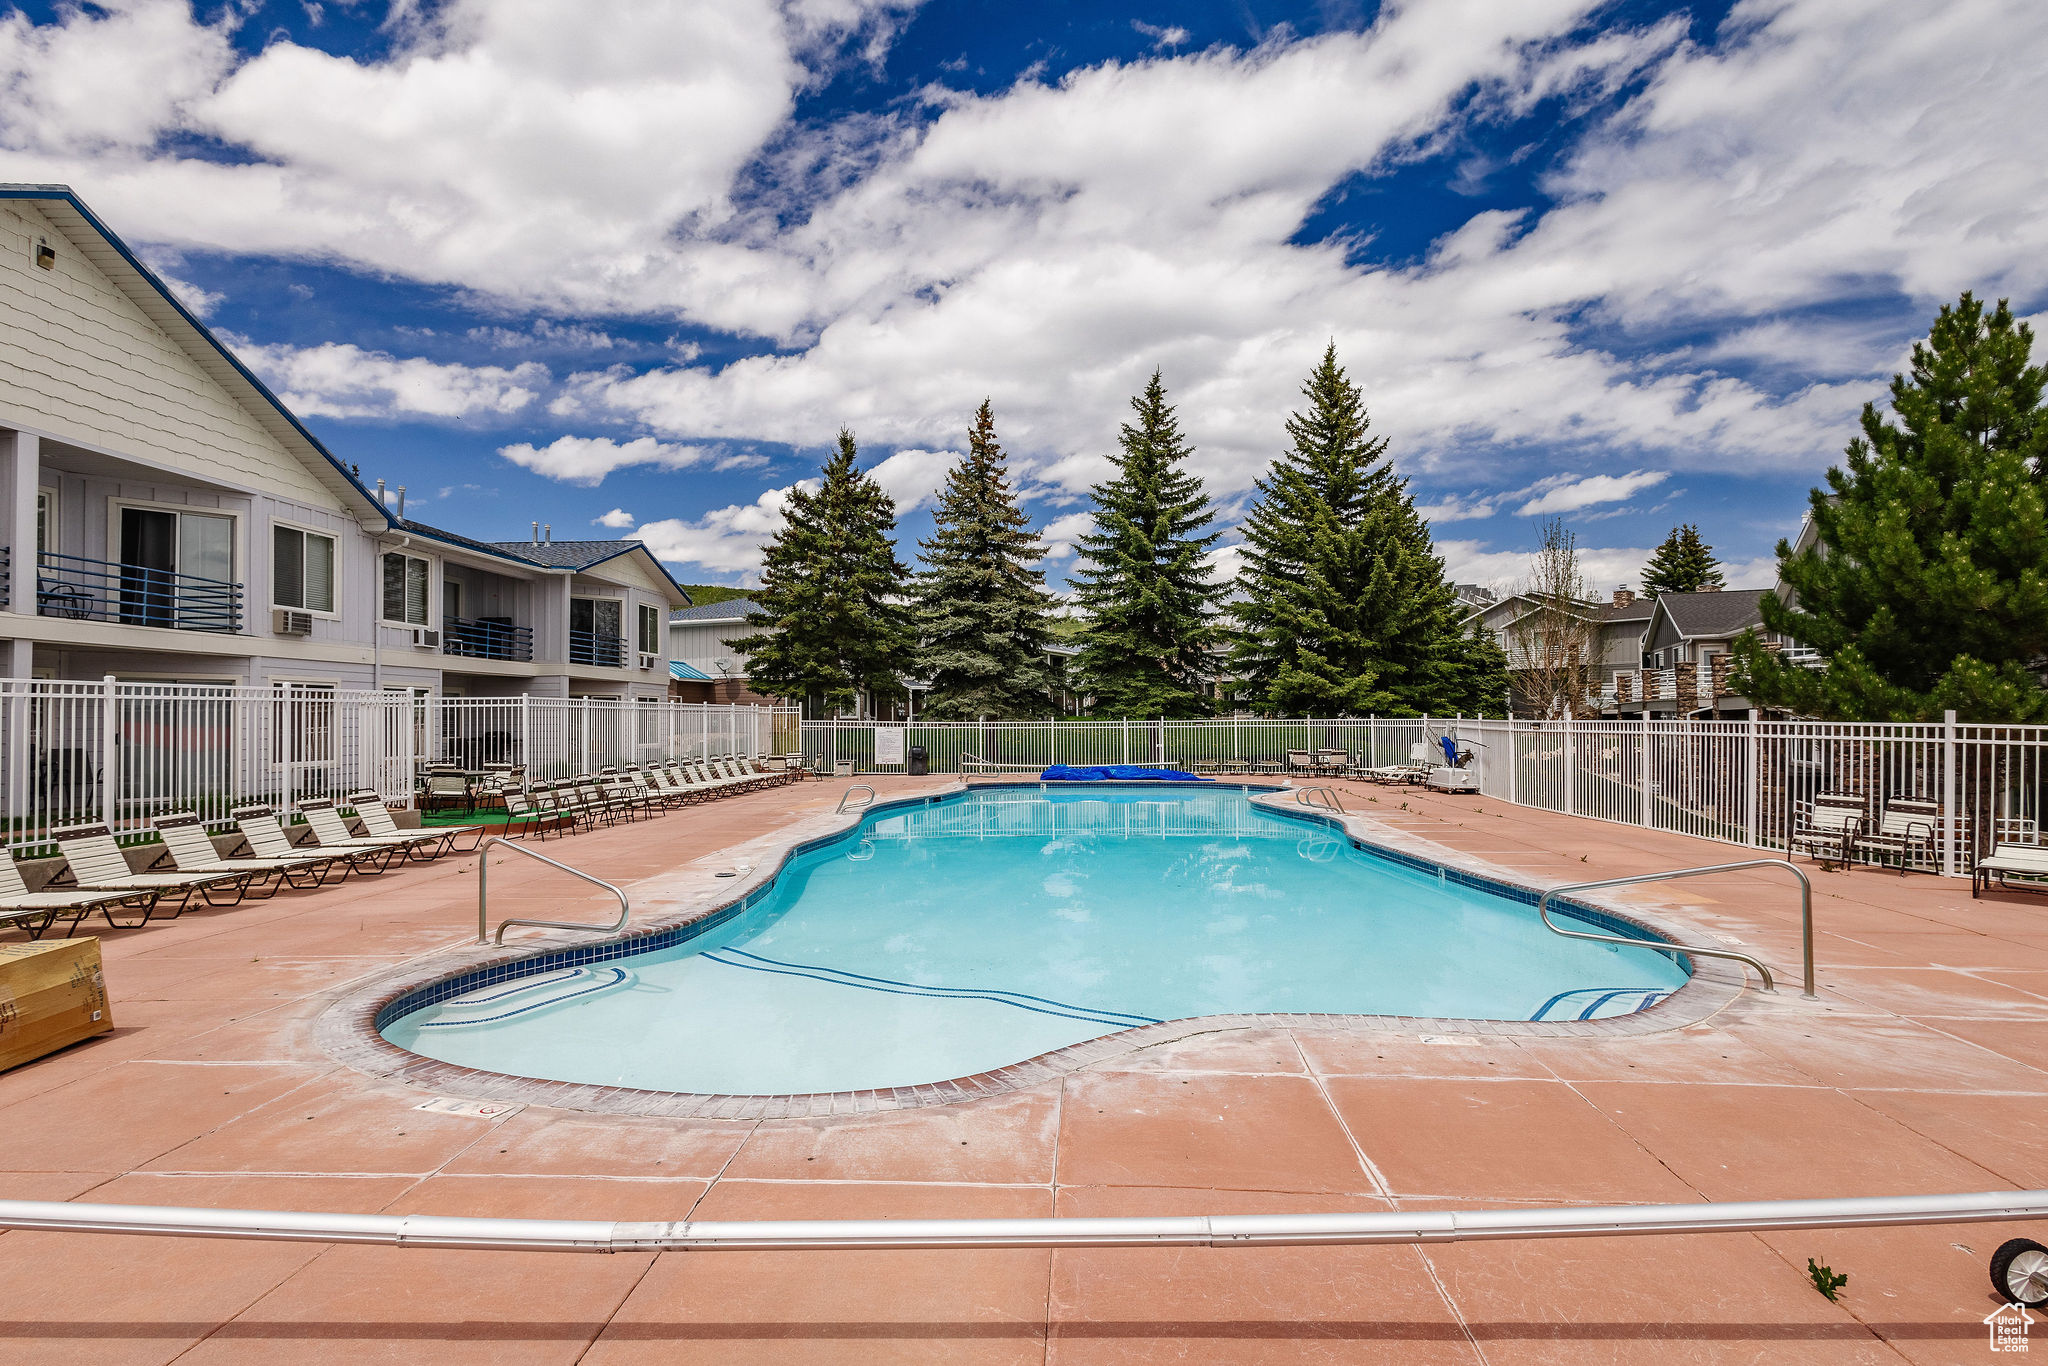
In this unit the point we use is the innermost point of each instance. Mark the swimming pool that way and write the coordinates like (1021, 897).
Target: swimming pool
(948, 938)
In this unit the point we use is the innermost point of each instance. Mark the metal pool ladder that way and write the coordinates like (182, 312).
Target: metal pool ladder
(1805, 915)
(1330, 800)
(857, 787)
(483, 897)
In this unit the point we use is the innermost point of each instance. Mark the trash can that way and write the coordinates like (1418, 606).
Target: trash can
(920, 761)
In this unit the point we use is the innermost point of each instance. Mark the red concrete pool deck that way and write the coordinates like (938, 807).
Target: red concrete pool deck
(1919, 1070)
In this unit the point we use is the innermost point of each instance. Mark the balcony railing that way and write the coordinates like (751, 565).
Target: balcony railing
(483, 638)
(80, 589)
(591, 647)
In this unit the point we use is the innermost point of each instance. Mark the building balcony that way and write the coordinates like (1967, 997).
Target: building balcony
(596, 648)
(487, 638)
(78, 589)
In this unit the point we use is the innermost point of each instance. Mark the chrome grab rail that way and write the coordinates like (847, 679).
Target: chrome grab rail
(483, 863)
(1805, 915)
(857, 787)
(1331, 801)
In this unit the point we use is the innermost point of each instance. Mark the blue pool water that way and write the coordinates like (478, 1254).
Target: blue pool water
(952, 938)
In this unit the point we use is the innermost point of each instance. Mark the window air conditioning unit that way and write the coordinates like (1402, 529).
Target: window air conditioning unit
(290, 621)
(423, 639)
(648, 661)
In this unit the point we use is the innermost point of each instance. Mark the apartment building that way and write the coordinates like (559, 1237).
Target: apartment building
(163, 516)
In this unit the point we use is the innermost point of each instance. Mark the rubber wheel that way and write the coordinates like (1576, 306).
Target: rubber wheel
(2019, 1272)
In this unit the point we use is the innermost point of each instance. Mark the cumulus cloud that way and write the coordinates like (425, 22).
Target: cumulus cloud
(725, 540)
(1062, 535)
(618, 519)
(342, 380)
(1570, 495)
(913, 478)
(588, 459)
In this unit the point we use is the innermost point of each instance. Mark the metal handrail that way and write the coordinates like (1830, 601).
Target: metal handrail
(857, 787)
(1332, 801)
(483, 864)
(1805, 915)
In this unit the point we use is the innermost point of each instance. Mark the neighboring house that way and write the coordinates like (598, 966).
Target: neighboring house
(1686, 659)
(700, 639)
(167, 518)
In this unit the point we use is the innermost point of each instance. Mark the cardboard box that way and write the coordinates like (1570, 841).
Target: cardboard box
(52, 993)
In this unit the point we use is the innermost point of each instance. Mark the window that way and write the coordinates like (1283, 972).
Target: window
(594, 632)
(650, 630)
(46, 521)
(177, 569)
(301, 569)
(405, 589)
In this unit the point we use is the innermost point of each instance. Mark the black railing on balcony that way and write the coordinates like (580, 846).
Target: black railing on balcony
(6, 575)
(134, 595)
(486, 638)
(589, 647)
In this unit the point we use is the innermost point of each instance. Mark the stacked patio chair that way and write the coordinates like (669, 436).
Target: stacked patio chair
(378, 824)
(35, 912)
(94, 862)
(1828, 832)
(1908, 830)
(191, 850)
(2026, 862)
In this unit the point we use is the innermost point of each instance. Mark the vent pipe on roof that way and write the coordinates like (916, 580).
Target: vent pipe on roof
(380, 495)
(401, 502)
(548, 532)
(536, 533)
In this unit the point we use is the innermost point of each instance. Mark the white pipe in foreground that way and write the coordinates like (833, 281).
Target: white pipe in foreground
(1253, 1230)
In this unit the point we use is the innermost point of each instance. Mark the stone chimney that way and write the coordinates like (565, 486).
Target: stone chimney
(1710, 588)
(1624, 596)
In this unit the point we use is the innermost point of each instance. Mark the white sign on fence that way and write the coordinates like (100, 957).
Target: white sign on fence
(888, 745)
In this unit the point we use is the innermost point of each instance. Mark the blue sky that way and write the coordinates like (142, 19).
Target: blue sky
(1627, 264)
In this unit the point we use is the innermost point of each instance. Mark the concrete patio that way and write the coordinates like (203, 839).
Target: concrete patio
(1918, 1071)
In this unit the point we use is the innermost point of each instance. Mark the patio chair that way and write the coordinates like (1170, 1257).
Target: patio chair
(1331, 762)
(267, 839)
(631, 797)
(378, 823)
(447, 787)
(1301, 760)
(2028, 862)
(35, 912)
(93, 861)
(1830, 828)
(331, 832)
(520, 810)
(191, 850)
(1909, 828)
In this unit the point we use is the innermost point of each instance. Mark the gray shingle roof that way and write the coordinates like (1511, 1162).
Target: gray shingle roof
(1714, 616)
(732, 609)
(565, 554)
(1639, 610)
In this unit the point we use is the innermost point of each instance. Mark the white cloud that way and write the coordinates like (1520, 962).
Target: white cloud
(1062, 535)
(544, 334)
(1590, 491)
(1170, 35)
(725, 540)
(913, 478)
(618, 519)
(588, 459)
(343, 380)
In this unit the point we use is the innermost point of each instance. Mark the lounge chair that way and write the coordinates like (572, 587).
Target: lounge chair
(1909, 829)
(330, 831)
(2028, 862)
(191, 850)
(35, 912)
(267, 839)
(1830, 829)
(377, 823)
(93, 860)
(669, 786)
(1421, 758)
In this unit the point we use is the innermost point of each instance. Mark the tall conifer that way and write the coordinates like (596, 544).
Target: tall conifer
(981, 602)
(1343, 605)
(1148, 595)
(830, 624)
(1683, 564)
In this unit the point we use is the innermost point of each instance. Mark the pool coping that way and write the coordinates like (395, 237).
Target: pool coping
(349, 1029)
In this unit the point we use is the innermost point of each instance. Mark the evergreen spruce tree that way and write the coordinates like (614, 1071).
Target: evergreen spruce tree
(1147, 597)
(831, 625)
(1344, 608)
(1683, 564)
(981, 602)
(1928, 589)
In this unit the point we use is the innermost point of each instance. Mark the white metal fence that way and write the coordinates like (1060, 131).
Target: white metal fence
(1750, 783)
(123, 752)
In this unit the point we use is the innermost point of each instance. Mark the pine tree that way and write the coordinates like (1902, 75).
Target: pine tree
(1344, 607)
(981, 602)
(830, 624)
(1928, 589)
(1148, 598)
(1683, 564)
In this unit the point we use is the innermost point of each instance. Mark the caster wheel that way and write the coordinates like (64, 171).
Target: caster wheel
(2019, 1272)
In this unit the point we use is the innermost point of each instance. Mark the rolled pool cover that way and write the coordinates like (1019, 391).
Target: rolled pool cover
(1122, 773)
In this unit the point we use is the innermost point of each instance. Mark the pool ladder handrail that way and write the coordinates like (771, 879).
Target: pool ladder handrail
(483, 863)
(857, 787)
(1331, 801)
(1805, 915)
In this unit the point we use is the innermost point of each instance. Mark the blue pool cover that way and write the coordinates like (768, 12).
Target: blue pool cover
(1124, 773)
